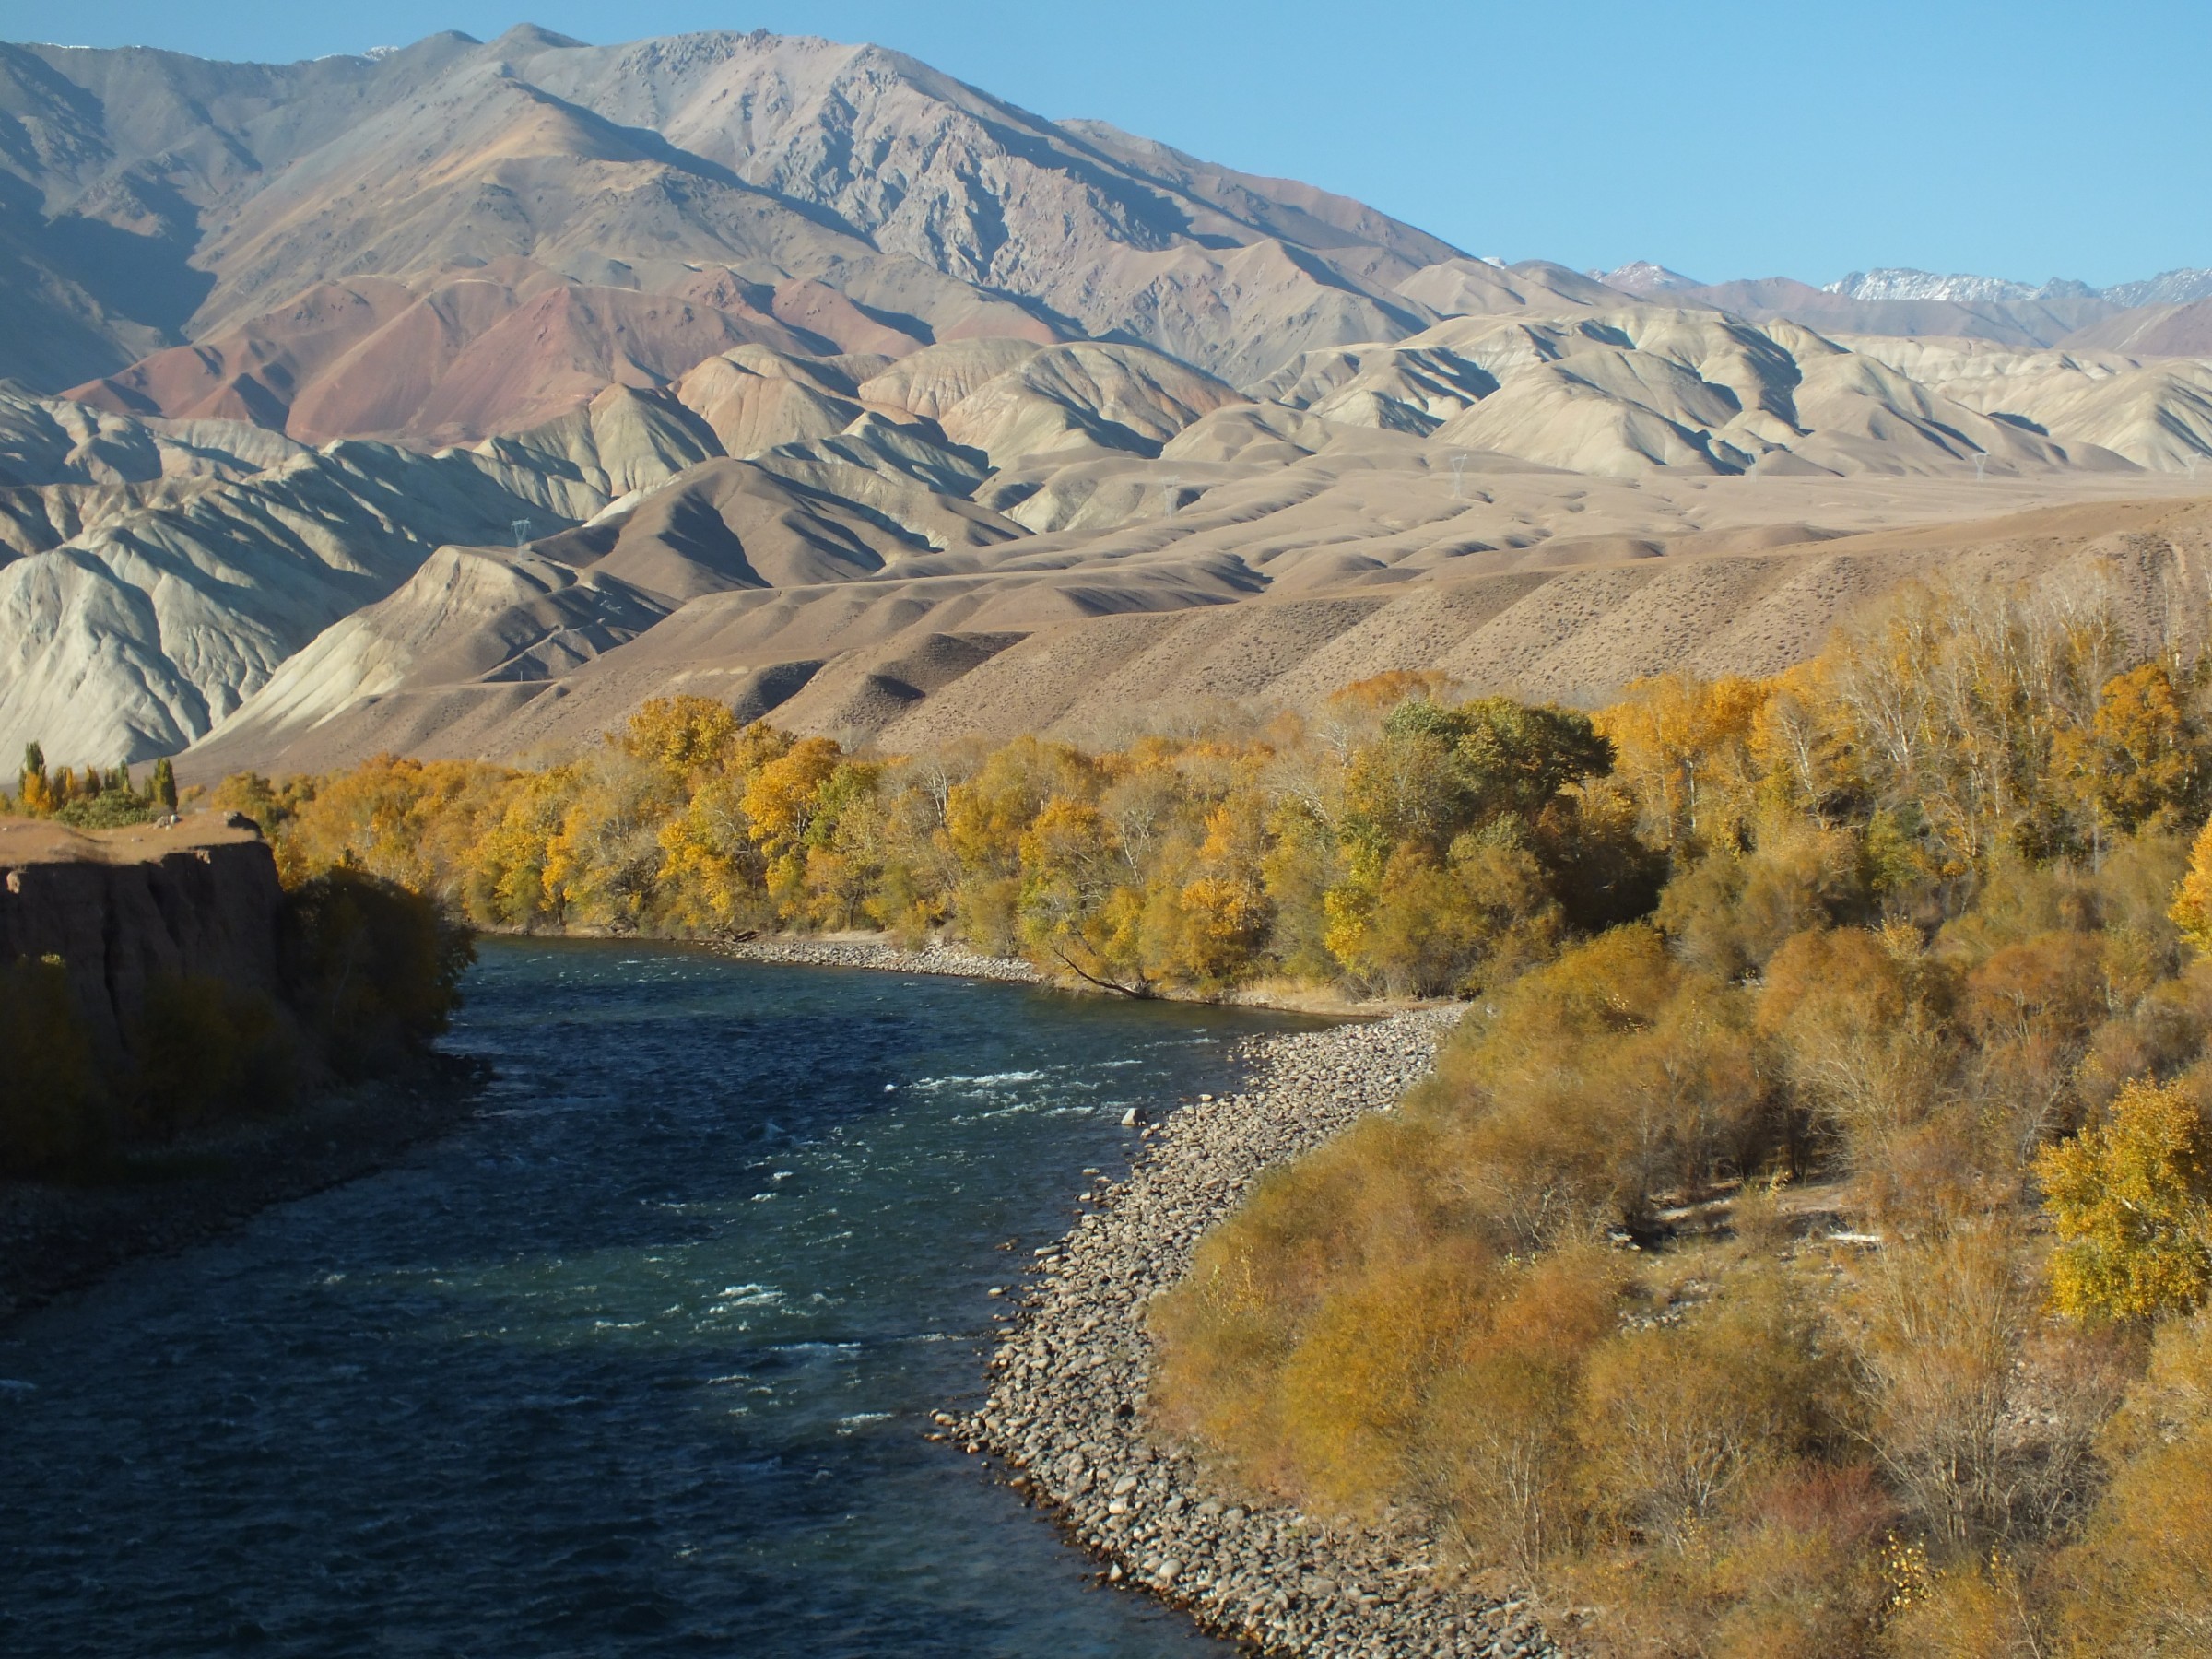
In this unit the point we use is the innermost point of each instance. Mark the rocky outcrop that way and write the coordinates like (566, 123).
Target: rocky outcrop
(122, 907)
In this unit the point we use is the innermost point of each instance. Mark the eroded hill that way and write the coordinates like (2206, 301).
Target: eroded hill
(460, 398)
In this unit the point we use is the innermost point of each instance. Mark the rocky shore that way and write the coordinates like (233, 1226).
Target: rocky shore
(1067, 1408)
(867, 953)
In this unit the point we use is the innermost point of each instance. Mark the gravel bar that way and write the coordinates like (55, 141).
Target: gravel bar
(844, 953)
(1067, 1411)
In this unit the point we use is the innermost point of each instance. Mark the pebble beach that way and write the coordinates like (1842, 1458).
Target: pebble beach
(1068, 1412)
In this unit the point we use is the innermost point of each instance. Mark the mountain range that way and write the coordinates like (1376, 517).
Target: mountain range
(457, 398)
(2169, 288)
(2170, 314)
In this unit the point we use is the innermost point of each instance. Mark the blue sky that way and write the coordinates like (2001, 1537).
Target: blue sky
(2026, 140)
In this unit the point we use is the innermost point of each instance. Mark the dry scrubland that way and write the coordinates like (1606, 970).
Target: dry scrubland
(1812, 1266)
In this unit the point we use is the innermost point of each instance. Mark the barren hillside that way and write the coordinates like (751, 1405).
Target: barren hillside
(460, 398)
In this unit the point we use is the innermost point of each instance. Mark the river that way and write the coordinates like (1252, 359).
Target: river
(638, 1362)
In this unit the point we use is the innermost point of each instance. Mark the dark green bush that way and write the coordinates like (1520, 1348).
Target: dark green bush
(373, 968)
(112, 808)
(51, 1108)
(206, 1050)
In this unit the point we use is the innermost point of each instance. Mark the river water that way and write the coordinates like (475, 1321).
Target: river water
(636, 1362)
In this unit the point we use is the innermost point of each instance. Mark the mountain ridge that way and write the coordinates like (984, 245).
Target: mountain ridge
(460, 397)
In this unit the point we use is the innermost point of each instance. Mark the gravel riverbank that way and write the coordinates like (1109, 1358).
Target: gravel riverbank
(1068, 1404)
(860, 953)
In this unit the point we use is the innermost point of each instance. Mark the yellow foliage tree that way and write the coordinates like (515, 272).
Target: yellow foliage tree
(508, 865)
(710, 871)
(2192, 910)
(782, 795)
(38, 798)
(1077, 911)
(1799, 742)
(2140, 1579)
(1377, 694)
(2141, 762)
(689, 735)
(1683, 746)
(406, 820)
(1425, 926)
(2129, 1198)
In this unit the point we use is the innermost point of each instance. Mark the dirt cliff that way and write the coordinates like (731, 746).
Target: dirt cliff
(122, 906)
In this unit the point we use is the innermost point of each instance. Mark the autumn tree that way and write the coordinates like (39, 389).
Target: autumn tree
(1678, 1420)
(1432, 812)
(2142, 763)
(986, 816)
(1942, 1326)
(1858, 1020)
(1683, 749)
(694, 737)
(2139, 1580)
(506, 879)
(781, 800)
(36, 794)
(1732, 909)
(2192, 910)
(2132, 1200)
(1216, 923)
(602, 862)
(1077, 909)
(1954, 708)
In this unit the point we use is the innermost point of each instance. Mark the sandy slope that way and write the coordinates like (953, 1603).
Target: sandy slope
(1726, 576)
(855, 534)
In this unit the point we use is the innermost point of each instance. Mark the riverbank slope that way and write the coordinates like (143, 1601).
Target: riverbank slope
(120, 908)
(876, 951)
(1068, 1409)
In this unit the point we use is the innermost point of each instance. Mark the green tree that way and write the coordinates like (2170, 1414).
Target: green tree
(1437, 772)
(373, 969)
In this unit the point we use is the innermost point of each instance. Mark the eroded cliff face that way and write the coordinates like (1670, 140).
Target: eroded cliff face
(120, 907)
